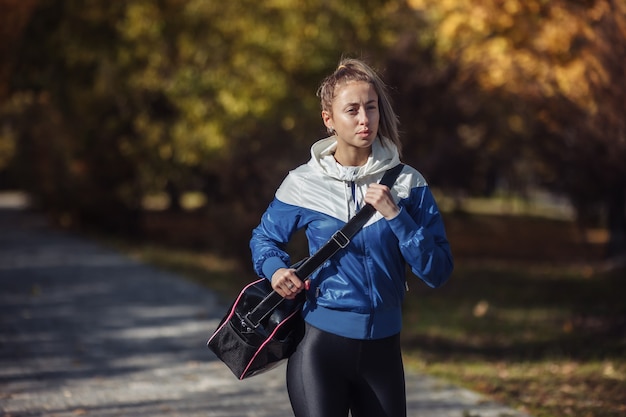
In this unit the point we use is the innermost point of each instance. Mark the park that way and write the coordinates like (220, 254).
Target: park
(158, 131)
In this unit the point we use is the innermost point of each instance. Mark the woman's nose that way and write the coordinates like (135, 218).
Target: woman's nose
(363, 119)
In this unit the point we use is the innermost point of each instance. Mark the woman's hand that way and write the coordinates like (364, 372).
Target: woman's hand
(286, 283)
(380, 197)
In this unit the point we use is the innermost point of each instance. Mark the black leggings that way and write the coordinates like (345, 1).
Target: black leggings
(329, 375)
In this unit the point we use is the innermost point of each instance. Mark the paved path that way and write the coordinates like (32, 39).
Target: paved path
(85, 331)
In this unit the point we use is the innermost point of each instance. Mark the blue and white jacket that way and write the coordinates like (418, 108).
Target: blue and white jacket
(358, 293)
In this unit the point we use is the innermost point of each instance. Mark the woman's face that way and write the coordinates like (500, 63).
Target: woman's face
(354, 115)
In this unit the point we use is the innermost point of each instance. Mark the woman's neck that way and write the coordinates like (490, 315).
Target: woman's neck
(352, 157)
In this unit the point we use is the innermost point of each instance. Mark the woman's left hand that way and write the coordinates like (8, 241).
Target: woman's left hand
(380, 197)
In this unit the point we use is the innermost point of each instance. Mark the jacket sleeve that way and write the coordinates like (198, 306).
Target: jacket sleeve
(422, 237)
(270, 238)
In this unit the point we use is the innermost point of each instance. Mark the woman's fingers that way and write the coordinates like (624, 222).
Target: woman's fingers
(286, 283)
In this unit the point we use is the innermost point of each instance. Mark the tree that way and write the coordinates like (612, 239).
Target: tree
(126, 98)
(14, 15)
(554, 71)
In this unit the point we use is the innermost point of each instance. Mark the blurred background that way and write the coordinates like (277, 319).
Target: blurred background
(167, 125)
(177, 119)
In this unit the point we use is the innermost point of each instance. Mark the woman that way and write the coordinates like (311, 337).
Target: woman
(350, 359)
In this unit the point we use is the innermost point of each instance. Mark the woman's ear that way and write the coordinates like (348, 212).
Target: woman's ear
(328, 120)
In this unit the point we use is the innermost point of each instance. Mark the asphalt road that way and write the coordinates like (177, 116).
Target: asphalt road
(85, 331)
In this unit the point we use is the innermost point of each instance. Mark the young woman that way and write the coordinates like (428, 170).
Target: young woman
(350, 359)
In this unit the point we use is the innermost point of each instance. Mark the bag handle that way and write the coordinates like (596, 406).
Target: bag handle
(338, 241)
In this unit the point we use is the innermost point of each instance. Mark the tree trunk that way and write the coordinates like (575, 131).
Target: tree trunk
(616, 205)
(174, 195)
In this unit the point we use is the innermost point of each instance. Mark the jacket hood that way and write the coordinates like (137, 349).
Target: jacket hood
(384, 156)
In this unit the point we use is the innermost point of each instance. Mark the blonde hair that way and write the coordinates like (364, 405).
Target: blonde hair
(350, 69)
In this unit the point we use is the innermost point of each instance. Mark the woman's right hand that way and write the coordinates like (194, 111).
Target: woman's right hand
(286, 283)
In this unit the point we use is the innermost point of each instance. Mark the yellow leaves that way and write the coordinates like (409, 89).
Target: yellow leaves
(194, 142)
(141, 20)
(512, 6)
(417, 4)
(493, 62)
(210, 137)
(478, 15)
(555, 36)
(526, 47)
(231, 104)
(498, 47)
(572, 82)
(452, 25)
(246, 96)
(197, 133)
(193, 137)
(220, 75)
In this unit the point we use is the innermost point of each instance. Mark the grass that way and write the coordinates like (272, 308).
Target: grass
(224, 276)
(547, 339)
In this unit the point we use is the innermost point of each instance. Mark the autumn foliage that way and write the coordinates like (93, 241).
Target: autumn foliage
(105, 103)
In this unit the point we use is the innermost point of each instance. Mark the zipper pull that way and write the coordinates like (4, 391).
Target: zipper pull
(354, 196)
(406, 285)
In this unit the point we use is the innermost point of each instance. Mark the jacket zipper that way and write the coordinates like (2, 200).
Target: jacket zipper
(363, 243)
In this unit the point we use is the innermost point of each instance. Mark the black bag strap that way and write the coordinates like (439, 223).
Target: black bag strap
(338, 241)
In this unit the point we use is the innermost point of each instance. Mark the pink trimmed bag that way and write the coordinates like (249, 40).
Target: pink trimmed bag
(256, 335)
